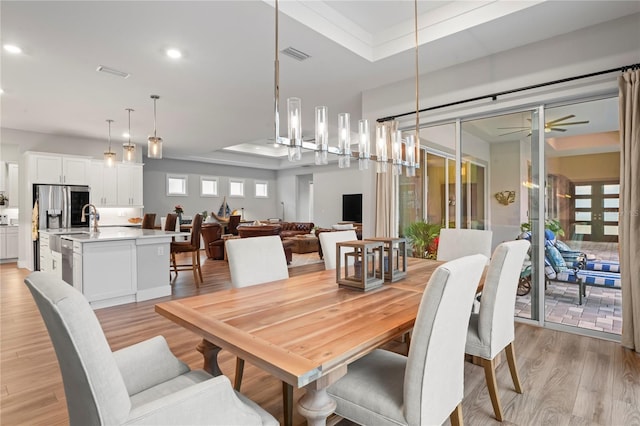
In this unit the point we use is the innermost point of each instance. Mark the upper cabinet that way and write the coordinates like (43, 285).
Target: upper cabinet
(13, 191)
(57, 169)
(103, 184)
(129, 185)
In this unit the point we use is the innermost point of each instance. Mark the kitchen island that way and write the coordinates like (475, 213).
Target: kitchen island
(116, 265)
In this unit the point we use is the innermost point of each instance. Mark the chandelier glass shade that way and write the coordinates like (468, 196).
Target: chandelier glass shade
(405, 152)
(154, 143)
(109, 156)
(129, 149)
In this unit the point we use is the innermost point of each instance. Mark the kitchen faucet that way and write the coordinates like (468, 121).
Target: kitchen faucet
(95, 216)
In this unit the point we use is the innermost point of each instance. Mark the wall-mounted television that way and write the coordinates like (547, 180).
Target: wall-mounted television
(352, 208)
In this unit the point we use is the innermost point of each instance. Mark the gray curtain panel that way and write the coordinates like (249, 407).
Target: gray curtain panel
(629, 235)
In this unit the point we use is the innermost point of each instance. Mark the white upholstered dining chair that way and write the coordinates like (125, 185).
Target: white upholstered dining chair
(492, 330)
(141, 384)
(386, 388)
(328, 241)
(455, 243)
(253, 261)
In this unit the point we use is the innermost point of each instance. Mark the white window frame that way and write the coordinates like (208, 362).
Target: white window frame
(236, 194)
(210, 179)
(266, 188)
(185, 180)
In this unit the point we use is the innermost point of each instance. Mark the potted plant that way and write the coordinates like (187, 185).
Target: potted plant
(552, 225)
(423, 238)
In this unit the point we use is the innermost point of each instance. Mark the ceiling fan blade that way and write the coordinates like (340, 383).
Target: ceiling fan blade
(575, 122)
(516, 127)
(515, 131)
(552, 122)
(557, 129)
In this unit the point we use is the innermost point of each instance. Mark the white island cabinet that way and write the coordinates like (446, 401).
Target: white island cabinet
(118, 265)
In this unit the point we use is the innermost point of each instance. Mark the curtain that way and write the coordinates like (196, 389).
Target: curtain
(629, 235)
(387, 195)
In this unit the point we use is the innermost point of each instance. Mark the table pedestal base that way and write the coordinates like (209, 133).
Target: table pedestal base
(210, 352)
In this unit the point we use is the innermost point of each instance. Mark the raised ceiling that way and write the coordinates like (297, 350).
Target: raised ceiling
(220, 93)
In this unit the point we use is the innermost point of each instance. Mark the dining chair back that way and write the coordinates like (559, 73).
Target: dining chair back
(171, 222)
(234, 221)
(256, 260)
(149, 221)
(192, 246)
(455, 243)
(427, 386)
(253, 261)
(492, 329)
(141, 384)
(328, 241)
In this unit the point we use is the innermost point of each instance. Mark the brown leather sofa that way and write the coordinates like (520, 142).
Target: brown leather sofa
(247, 231)
(213, 242)
(291, 229)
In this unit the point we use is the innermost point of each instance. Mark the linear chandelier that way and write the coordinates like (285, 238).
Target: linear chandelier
(404, 152)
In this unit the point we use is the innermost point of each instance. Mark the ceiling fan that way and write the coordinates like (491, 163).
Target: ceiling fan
(554, 125)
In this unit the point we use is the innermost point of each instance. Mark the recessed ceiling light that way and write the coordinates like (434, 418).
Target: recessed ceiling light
(174, 53)
(125, 135)
(12, 48)
(1, 91)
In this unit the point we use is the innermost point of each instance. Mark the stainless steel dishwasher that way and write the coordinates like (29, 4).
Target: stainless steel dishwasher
(67, 260)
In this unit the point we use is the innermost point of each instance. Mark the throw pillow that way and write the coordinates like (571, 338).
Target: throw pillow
(555, 258)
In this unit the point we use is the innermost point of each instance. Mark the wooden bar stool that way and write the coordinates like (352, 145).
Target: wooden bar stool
(193, 247)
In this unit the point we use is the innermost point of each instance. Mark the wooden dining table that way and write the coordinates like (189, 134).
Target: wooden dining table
(304, 330)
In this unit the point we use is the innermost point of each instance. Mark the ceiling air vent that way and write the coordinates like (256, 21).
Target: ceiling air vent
(295, 54)
(108, 70)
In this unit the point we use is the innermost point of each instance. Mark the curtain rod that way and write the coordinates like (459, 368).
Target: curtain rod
(494, 96)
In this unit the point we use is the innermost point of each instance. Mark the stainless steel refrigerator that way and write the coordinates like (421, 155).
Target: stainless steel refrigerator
(59, 207)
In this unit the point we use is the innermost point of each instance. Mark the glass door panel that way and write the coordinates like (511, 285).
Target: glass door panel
(582, 202)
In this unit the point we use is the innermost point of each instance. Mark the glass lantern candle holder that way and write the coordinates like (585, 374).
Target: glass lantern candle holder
(394, 258)
(361, 268)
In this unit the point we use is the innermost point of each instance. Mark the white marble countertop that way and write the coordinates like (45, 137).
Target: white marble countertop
(84, 235)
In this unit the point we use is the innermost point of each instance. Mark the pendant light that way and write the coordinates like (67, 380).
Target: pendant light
(154, 147)
(129, 149)
(109, 156)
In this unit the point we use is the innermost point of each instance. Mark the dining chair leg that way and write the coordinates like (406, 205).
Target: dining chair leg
(237, 382)
(513, 367)
(194, 256)
(199, 269)
(492, 386)
(287, 399)
(456, 416)
(175, 266)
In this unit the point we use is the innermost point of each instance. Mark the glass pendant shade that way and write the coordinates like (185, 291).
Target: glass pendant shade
(154, 147)
(129, 149)
(294, 115)
(381, 148)
(128, 153)
(344, 140)
(364, 144)
(322, 135)
(396, 151)
(410, 150)
(109, 156)
(154, 143)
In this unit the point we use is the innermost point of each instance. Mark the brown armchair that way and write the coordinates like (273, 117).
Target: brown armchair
(213, 242)
(248, 231)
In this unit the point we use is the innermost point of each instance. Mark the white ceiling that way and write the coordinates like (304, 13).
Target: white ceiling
(220, 93)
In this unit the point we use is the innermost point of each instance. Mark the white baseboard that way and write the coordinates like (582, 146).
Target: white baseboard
(153, 293)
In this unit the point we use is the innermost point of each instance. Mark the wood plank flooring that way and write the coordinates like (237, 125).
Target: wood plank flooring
(567, 379)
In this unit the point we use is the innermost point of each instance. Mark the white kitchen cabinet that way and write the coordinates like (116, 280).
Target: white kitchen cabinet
(130, 185)
(13, 191)
(45, 253)
(108, 270)
(103, 184)
(8, 242)
(57, 169)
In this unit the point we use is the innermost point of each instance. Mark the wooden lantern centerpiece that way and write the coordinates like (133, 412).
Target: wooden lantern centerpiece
(395, 258)
(360, 268)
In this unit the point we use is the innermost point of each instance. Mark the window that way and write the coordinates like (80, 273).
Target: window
(208, 186)
(262, 189)
(177, 185)
(236, 188)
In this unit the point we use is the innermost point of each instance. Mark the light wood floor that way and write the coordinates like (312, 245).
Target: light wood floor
(567, 379)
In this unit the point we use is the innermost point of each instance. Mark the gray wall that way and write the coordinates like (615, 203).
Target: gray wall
(156, 200)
